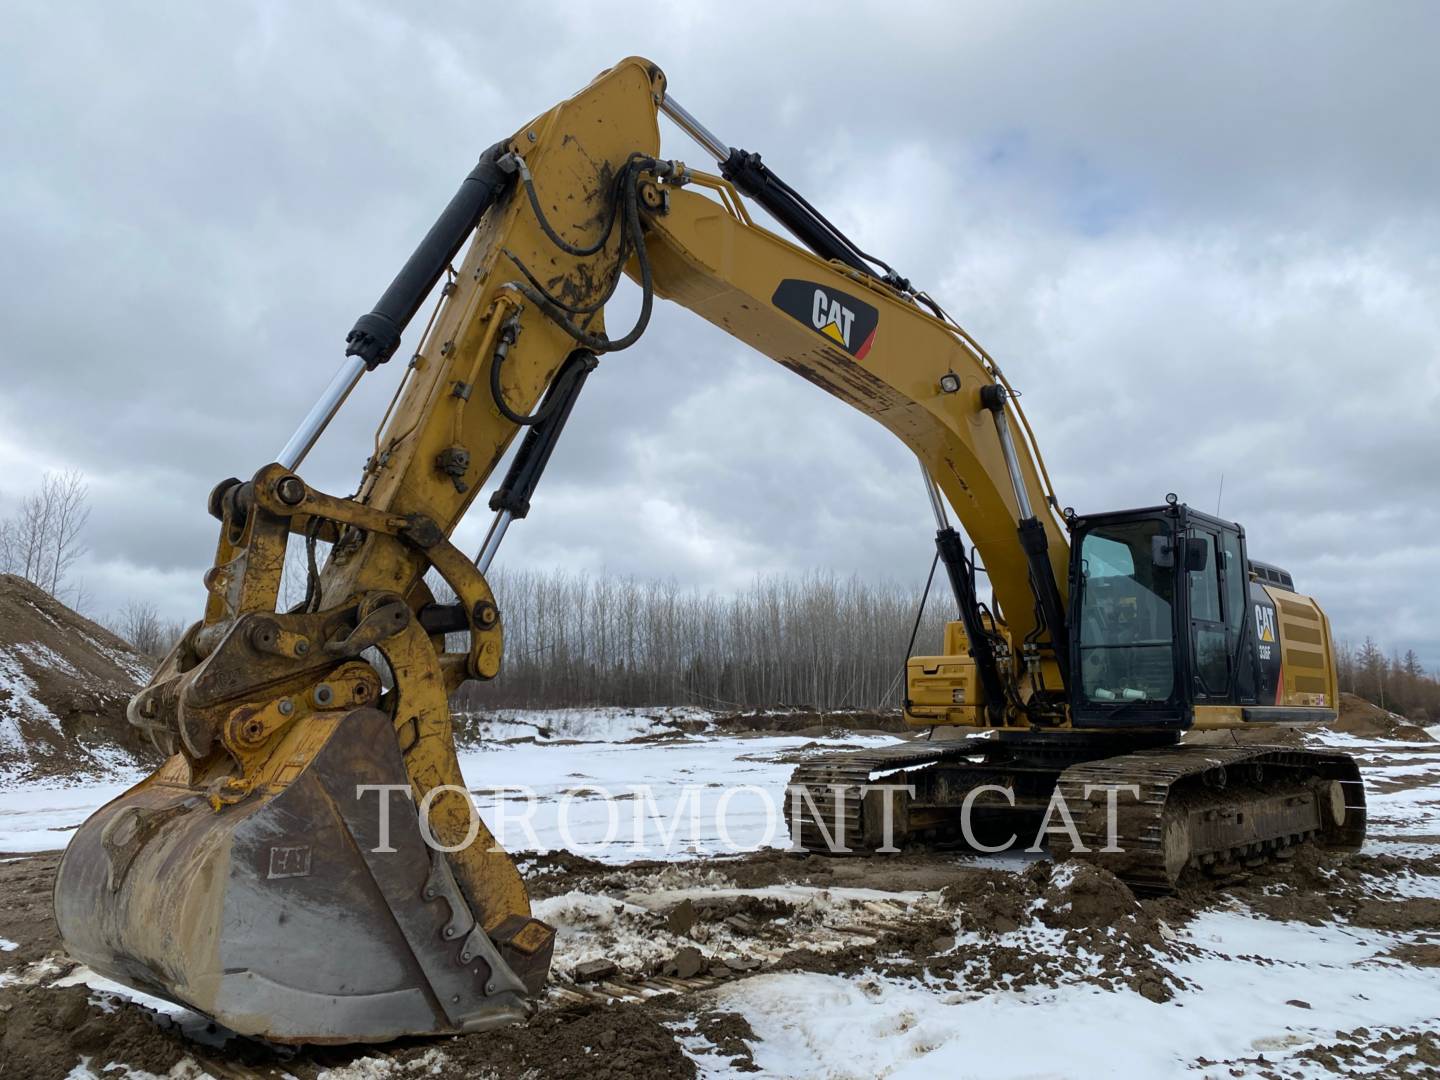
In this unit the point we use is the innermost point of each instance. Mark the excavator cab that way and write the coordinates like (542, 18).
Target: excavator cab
(1171, 626)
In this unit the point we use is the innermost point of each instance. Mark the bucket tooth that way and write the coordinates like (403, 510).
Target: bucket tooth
(302, 913)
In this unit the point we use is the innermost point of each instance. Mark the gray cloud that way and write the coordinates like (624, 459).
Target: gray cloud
(1201, 241)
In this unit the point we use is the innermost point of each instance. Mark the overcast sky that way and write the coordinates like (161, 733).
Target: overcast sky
(1201, 239)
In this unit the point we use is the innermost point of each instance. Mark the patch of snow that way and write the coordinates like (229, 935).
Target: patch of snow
(7, 945)
(430, 1063)
(630, 930)
(132, 663)
(608, 724)
(43, 656)
(39, 816)
(18, 701)
(1245, 973)
(665, 800)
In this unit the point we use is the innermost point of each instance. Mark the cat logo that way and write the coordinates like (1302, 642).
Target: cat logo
(847, 321)
(1265, 624)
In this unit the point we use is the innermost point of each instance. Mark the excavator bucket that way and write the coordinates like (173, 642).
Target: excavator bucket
(313, 910)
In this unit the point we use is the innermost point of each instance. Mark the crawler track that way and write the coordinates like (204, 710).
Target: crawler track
(845, 776)
(1177, 809)
(1208, 809)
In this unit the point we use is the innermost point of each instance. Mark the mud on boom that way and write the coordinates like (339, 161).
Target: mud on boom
(246, 878)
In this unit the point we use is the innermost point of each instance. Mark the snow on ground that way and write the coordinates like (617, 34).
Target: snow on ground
(40, 816)
(674, 799)
(628, 930)
(596, 724)
(1249, 972)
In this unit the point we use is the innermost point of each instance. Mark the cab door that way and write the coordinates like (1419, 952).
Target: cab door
(1235, 585)
(1210, 635)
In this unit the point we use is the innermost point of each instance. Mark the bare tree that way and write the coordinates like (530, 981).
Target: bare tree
(42, 541)
(67, 497)
(139, 623)
(32, 530)
(9, 547)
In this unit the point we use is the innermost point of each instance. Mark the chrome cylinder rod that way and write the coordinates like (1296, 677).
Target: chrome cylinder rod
(1012, 461)
(322, 412)
(937, 507)
(492, 540)
(687, 123)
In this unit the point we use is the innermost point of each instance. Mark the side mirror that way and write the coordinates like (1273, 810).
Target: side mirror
(1162, 552)
(1197, 553)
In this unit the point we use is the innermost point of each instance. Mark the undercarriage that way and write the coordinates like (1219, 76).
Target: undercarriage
(1149, 809)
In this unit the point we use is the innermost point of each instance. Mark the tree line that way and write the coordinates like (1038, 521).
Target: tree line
(814, 640)
(1398, 682)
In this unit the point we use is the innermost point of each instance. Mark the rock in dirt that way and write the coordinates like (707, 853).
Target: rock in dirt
(741, 963)
(595, 970)
(686, 964)
(64, 685)
(681, 918)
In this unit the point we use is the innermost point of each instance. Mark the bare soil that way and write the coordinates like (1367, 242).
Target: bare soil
(811, 723)
(1360, 718)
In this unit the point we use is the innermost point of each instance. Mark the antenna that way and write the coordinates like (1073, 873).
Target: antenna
(1220, 495)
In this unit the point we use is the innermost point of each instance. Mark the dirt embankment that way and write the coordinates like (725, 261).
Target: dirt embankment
(1366, 721)
(64, 684)
(812, 723)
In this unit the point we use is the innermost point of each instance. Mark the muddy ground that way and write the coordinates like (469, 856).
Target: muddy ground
(1088, 927)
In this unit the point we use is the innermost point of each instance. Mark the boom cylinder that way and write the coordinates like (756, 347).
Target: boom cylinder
(1032, 536)
(376, 335)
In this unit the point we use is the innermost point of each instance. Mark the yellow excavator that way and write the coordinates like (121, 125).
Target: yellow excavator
(306, 865)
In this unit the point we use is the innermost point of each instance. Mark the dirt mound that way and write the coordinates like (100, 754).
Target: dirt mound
(620, 1041)
(45, 1032)
(989, 901)
(1105, 936)
(64, 683)
(810, 722)
(1366, 721)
